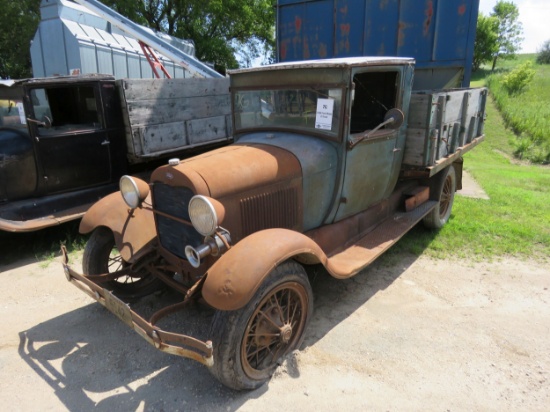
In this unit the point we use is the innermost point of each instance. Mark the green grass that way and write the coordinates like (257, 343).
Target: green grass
(528, 113)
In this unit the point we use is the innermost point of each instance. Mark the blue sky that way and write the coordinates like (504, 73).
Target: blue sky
(535, 16)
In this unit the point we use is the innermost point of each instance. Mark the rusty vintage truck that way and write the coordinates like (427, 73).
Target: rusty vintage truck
(333, 162)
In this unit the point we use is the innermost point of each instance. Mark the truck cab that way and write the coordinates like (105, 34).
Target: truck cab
(316, 175)
(58, 140)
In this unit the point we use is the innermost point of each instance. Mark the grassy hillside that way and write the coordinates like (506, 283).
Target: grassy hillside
(528, 113)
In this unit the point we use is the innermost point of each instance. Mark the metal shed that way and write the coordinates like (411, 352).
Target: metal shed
(73, 40)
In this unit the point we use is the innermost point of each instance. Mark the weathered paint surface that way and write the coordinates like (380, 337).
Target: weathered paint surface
(437, 33)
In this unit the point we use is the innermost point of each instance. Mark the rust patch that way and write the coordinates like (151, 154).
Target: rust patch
(305, 46)
(344, 34)
(284, 49)
(383, 4)
(297, 24)
(429, 14)
(401, 34)
(322, 50)
(226, 289)
(462, 9)
(344, 29)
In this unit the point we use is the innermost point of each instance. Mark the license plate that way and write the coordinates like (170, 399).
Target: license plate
(119, 308)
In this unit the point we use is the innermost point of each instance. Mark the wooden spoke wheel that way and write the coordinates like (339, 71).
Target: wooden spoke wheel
(445, 188)
(250, 342)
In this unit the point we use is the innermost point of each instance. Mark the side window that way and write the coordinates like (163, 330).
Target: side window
(12, 113)
(375, 94)
(67, 109)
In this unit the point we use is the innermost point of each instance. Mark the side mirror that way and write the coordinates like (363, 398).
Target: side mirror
(47, 123)
(393, 119)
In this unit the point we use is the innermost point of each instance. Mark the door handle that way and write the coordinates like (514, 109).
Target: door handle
(105, 142)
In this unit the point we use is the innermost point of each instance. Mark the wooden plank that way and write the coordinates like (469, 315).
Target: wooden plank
(446, 161)
(415, 147)
(162, 137)
(417, 196)
(151, 89)
(145, 112)
(420, 111)
(205, 130)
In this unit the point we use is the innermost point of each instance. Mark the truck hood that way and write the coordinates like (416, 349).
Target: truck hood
(233, 169)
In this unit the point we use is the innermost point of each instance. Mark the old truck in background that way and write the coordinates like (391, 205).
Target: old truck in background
(333, 162)
(66, 141)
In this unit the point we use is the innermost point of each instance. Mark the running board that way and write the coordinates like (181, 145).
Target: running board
(362, 253)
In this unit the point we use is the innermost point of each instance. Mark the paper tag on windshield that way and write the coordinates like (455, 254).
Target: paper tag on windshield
(21, 111)
(323, 119)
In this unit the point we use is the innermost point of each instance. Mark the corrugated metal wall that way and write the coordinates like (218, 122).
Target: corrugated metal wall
(71, 39)
(439, 34)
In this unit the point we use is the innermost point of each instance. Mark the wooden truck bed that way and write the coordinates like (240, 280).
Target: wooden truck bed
(442, 125)
(162, 116)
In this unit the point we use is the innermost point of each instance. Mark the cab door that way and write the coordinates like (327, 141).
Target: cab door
(372, 166)
(72, 143)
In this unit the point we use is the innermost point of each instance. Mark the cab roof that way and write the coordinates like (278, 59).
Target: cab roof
(330, 63)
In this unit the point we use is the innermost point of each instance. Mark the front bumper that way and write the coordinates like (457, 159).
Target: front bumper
(169, 342)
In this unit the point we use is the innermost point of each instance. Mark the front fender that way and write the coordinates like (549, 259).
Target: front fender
(234, 278)
(133, 229)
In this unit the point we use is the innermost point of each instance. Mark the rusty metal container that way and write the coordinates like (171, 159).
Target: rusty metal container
(439, 34)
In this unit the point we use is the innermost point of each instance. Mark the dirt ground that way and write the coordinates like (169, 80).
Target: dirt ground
(417, 334)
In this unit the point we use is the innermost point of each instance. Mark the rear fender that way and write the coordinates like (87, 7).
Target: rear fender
(234, 278)
(133, 230)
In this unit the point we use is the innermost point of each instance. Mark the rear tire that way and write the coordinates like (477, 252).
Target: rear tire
(250, 342)
(445, 187)
(101, 256)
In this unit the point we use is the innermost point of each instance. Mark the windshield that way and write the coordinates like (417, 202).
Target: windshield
(313, 110)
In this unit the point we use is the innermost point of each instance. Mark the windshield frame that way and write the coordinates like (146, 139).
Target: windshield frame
(335, 136)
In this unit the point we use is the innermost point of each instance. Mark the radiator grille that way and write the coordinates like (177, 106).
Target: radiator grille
(174, 235)
(270, 210)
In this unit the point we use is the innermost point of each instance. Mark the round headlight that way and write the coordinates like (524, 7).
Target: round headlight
(134, 191)
(205, 214)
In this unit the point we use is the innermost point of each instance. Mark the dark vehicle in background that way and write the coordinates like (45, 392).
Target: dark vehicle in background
(66, 141)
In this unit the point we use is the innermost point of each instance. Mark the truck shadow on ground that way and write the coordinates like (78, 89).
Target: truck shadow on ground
(20, 248)
(92, 361)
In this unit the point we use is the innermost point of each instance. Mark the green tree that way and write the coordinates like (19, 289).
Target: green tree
(509, 30)
(543, 56)
(486, 43)
(519, 79)
(221, 29)
(18, 22)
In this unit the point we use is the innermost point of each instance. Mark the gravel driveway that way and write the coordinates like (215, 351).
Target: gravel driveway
(413, 334)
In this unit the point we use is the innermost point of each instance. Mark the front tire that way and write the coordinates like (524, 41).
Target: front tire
(101, 256)
(249, 342)
(445, 188)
